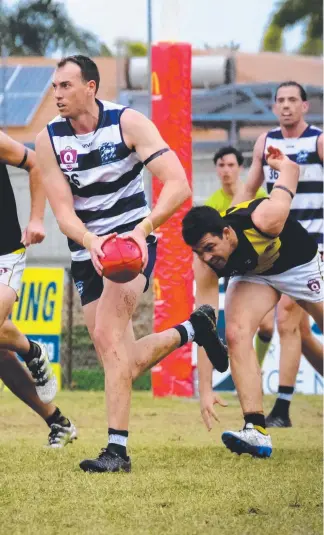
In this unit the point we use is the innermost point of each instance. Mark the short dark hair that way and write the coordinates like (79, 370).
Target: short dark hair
(229, 150)
(88, 68)
(201, 220)
(290, 83)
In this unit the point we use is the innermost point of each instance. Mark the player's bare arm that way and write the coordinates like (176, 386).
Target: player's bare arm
(60, 198)
(16, 154)
(255, 176)
(320, 146)
(207, 291)
(140, 133)
(271, 215)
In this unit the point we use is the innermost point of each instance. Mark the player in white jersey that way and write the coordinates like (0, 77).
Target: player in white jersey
(304, 145)
(37, 386)
(91, 157)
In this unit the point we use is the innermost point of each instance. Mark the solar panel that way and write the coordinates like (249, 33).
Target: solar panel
(5, 75)
(32, 79)
(21, 92)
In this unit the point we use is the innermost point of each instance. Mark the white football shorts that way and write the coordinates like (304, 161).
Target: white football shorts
(12, 266)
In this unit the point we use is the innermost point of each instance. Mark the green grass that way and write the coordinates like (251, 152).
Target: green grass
(94, 379)
(183, 481)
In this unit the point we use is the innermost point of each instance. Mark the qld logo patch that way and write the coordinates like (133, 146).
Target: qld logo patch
(107, 152)
(314, 285)
(69, 159)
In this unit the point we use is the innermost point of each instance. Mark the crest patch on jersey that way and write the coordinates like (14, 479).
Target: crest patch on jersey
(107, 152)
(69, 158)
(302, 156)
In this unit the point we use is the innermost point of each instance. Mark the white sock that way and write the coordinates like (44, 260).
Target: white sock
(190, 330)
(118, 439)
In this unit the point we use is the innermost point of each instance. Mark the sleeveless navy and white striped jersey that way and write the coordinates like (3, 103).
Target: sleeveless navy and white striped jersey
(307, 205)
(105, 176)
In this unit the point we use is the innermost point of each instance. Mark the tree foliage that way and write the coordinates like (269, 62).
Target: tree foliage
(43, 27)
(289, 13)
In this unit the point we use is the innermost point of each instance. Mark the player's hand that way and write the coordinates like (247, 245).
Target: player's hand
(207, 402)
(277, 159)
(96, 252)
(33, 233)
(139, 237)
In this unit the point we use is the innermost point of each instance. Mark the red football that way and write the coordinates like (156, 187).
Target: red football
(122, 261)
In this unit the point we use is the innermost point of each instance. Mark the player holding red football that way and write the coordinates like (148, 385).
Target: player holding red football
(92, 156)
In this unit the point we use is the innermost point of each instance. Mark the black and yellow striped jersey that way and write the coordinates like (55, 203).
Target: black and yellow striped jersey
(259, 253)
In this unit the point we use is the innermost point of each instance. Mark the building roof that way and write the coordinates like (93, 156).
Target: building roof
(250, 68)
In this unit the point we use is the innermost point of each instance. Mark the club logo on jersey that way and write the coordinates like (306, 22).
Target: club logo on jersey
(3, 271)
(302, 156)
(79, 287)
(69, 159)
(107, 152)
(314, 285)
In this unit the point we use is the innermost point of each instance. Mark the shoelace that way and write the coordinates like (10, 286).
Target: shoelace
(104, 452)
(55, 434)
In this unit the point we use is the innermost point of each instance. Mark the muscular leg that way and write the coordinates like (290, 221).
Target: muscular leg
(316, 311)
(18, 380)
(118, 350)
(288, 321)
(311, 346)
(144, 353)
(10, 337)
(245, 306)
(264, 335)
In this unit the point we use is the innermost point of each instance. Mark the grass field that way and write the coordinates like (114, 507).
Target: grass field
(183, 481)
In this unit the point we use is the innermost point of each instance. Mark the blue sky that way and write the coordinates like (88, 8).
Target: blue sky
(215, 22)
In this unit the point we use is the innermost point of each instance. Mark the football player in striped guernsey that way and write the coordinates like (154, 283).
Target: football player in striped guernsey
(303, 144)
(92, 157)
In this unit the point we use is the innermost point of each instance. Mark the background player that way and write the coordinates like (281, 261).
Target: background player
(303, 144)
(37, 391)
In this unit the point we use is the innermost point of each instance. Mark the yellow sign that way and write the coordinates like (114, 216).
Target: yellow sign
(38, 313)
(39, 309)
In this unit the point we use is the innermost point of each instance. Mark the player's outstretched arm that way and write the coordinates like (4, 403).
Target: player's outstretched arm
(142, 135)
(16, 154)
(271, 215)
(60, 198)
(254, 181)
(207, 291)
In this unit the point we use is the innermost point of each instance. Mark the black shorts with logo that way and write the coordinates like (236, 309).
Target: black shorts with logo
(90, 285)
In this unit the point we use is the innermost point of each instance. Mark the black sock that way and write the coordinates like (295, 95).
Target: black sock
(117, 442)
(264, 337)
(282, 404)
(255, 418)
(183, 334)
(34, 352)
(57, 418)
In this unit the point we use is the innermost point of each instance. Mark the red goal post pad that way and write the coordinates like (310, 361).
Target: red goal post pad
(173, 275)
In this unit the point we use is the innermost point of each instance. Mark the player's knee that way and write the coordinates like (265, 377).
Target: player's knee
(236, 334)
(287, 325)
(105, 340)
